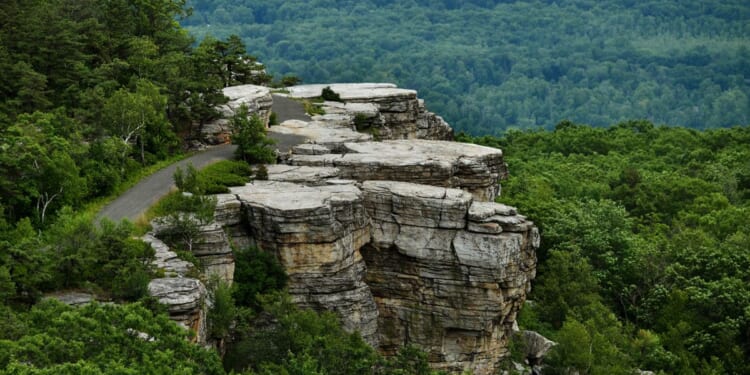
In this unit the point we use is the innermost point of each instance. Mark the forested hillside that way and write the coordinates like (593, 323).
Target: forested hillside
(490, 65)
(92, 94)
(645, 257)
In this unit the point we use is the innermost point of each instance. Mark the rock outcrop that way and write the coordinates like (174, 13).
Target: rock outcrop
(316, 232)
(258, 100)
(439, 283)
(183, 296)
(438, 163)
(400, 238)
(379, 109)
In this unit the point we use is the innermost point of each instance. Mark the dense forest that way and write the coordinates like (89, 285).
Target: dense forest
(645, 257)
(645, 261)
(94, 95)
(492, 65)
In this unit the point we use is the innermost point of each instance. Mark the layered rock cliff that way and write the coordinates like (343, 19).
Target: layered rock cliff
(399, 238)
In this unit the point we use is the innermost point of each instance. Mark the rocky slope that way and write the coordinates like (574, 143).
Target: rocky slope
(399, 238)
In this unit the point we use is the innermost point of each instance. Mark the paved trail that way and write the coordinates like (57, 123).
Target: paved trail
(140, 197)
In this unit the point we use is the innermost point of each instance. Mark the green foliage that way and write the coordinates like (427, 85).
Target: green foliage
(256, 272)
(644, 262)
(182, 215)
(187, 180)
(312, 108)
(96, 91)
(290, 80)
(329, 95)
(222, 311)
(253, 146)
(261, 172)
(101, 339)
(288, 340)
(218, 177)
(593, 62)
(106, 255)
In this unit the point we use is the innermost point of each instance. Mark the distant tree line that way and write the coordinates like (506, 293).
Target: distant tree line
(488, 66)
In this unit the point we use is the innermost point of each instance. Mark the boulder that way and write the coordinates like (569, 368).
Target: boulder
(258, 100)
(184, 298)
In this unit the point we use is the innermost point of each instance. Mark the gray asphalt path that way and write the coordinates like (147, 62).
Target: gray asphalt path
(140, 197)
(288, 109)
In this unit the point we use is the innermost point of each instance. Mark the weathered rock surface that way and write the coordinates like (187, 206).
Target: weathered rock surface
(400, 239)
(535, 346)
(184, 298)
(380, 109)
(302, 174)
(450, 291)
(473, 168)
(258, 100)
(316, 233)
(329, 135)
(165, 259)
(72, 298)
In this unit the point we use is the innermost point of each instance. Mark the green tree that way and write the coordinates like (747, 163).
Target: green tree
(256, 272)
(253, 146)
(103, 339)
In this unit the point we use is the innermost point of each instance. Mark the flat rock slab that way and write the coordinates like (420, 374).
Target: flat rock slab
(254, 97)
(319, 132)
(178, 294)
(301, 174)
(476, 169)
(313, 91)
(72, 298)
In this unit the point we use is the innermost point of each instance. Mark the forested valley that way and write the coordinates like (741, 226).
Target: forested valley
(492, 65)
(645, 258)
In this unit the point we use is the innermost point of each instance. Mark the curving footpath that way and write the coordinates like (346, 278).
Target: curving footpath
(140, 197)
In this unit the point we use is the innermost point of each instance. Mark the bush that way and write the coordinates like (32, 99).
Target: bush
(329, 95)
(218, 177)
(222, 311)
(250, 137)
(256, 272)
(312, 108)
(285, 339)
(261, 173)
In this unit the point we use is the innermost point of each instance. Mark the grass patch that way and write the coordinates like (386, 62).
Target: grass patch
(218, 177)
(213, 179)
(312, 106)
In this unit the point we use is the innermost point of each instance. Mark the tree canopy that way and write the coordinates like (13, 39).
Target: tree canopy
(645, 255)
(492, 65)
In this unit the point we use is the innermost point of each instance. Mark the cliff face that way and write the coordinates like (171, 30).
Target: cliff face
(448, 273)
(399, 238)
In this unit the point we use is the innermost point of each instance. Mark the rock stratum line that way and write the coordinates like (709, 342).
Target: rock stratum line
(384, 221)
